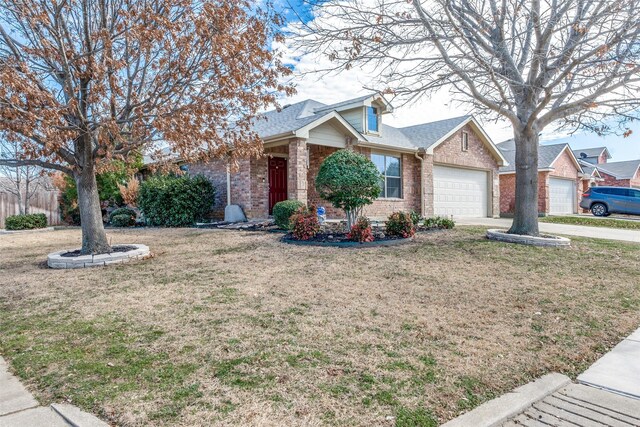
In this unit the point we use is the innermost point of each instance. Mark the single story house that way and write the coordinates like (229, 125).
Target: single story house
(614, 174)
(448, 167)
(620, 174)
(560, 179)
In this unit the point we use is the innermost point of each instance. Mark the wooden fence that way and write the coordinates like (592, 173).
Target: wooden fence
(44, 201)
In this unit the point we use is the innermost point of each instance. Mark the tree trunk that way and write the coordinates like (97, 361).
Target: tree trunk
(525, 220)
(94, 238)
(26, 197)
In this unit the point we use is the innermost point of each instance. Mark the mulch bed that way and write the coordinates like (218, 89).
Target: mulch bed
(121, 248)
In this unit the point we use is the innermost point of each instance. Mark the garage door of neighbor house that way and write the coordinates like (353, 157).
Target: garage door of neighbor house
(460, 192)
(562, 196)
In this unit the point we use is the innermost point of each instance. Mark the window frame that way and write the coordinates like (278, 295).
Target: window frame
(383, 194)
(464, 143)
(376, 115)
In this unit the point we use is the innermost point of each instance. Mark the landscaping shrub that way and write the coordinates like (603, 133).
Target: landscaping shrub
(400, 224)
(361, 231)
(129, 192)
(26, 222)
(415, 217)
(304, 224)
(175, 201)
(282, 212)
(438, 222)
(122, 220)
(349, 181)
(122, 212)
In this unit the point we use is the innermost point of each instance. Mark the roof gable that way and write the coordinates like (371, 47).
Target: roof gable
(363, 101)
(621, 170)
(585, 153)
(547, 155)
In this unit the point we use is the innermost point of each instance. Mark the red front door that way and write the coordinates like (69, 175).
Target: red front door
(277, 181)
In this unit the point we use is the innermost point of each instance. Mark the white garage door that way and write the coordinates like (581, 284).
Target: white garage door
(460, 192)
(562, 196)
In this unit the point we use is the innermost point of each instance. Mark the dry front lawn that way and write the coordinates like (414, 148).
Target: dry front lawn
(235, 328)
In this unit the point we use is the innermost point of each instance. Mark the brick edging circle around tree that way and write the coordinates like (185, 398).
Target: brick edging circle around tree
(57, 260)
(548, 241)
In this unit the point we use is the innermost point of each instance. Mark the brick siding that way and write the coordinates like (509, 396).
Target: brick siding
(611, 181)
(563, 167)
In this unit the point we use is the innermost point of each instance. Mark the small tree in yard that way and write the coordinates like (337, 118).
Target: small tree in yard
(349, 181)
(575, 63)
(87, 82)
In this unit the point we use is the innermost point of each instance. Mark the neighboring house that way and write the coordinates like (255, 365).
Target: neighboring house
(560, 179)
(614, 174)
(620, 174)
(594, 156)
(448, 167)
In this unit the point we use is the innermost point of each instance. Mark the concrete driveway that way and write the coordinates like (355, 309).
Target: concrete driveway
(568, 230)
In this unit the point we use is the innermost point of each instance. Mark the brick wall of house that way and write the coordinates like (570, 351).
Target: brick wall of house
(216, 172)
(249, 183)
(564, 167)
(507, 193)
(477, 156)
(543, 192)
(317, 154)
(380, 208)
(611, 181)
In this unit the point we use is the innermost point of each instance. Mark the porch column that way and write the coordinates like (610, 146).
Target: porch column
(298, 166)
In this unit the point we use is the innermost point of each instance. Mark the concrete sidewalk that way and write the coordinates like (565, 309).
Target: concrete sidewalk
(608, 396)
(18, 408)
(566, 229)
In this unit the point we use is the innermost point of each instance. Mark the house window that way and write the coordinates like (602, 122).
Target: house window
(390, 182)
(372, 119)
(465, 141)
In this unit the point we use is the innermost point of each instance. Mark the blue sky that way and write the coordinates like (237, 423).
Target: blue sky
(350, 84)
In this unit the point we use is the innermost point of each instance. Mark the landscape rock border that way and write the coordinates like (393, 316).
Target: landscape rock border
(547, 241)
(32, 230)
(343, 244)
(57, 260)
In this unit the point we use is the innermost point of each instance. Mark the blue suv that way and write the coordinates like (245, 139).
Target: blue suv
(603, 201)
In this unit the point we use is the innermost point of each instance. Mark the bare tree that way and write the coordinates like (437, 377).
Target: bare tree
(21, 181)
(83, 82)
(574, 63)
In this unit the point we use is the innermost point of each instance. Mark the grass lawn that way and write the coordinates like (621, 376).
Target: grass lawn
(235, 328)
(593, 222)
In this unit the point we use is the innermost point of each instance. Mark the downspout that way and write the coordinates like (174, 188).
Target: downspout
(421, 150)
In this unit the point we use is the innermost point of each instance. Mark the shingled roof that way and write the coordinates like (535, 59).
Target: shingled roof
(590, 152)
(547, 154)
(620, 170)
(296, 116)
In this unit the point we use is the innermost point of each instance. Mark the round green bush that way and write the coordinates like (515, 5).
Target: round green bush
(25, 222)
(122, 220)
(122, 211)
(349, 181)
(175, 201)
(282, 212)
